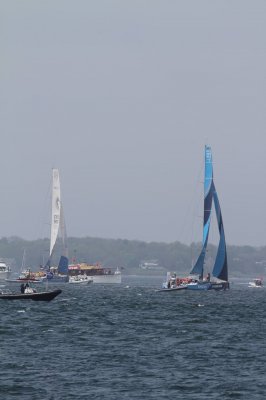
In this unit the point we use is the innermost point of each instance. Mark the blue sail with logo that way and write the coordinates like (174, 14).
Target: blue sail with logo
(208, 196)
(220, 268)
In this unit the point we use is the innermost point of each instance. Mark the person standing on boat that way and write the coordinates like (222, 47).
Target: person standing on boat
(22, 288)
(26, 288)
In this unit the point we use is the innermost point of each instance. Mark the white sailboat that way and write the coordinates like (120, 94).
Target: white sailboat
(58, 232)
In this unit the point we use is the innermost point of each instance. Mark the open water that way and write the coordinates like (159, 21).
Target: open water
(130, 342)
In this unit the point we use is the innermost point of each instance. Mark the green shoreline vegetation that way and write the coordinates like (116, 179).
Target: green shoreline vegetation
(128, 254)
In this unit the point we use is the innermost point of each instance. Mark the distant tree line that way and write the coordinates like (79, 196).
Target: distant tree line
(128, 254)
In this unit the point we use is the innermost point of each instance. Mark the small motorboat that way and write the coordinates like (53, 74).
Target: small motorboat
(30, 295)
(256, 283)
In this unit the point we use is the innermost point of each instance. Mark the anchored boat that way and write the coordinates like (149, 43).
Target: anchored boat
(97, 273)
(5, 270)
(80, 280)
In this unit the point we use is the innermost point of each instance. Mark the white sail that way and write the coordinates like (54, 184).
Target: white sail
(56, 209)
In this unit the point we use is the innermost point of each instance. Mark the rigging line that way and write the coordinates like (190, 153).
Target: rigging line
(42, 222)
(196, 213)
(190, 210)
(197, 204)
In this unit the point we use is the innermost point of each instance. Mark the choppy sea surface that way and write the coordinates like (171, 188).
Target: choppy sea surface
(129, 341)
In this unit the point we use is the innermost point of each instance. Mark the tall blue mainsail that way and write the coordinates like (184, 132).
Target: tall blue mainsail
(220, 269)
(208, 196)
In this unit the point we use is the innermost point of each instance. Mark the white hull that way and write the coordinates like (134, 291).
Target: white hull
(252, 285)
(80, 280)
(5, 271)
(4, 275)
(256, 283)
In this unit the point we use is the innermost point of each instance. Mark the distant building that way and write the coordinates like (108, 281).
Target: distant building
(150, 265)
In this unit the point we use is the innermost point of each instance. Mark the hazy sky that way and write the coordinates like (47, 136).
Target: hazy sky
(122, 96)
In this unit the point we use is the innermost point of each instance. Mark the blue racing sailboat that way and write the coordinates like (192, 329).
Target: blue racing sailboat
(220, 268)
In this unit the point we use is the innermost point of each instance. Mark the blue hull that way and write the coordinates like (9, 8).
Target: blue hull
(208, 286)
(220, 286)
(199, 286)
(174, 289)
